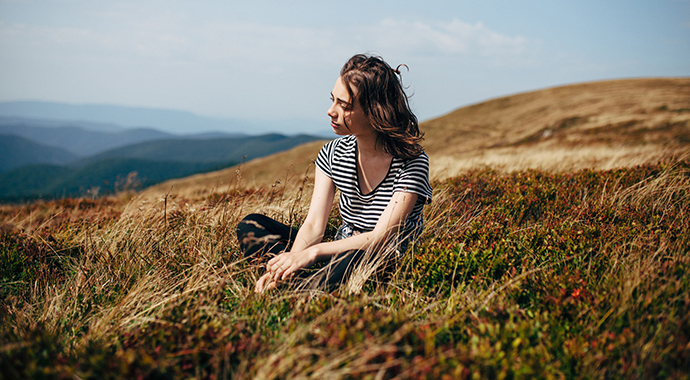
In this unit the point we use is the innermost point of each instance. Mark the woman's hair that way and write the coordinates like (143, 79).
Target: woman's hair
(385, 104)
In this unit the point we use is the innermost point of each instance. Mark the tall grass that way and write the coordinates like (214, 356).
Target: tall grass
(522, 275)
(554, 158)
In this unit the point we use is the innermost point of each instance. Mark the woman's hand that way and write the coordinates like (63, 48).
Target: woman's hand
(283, 266)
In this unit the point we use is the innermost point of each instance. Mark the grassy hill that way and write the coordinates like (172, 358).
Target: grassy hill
(284, 168)
(527, 275)
(520, 273)
(599, 125)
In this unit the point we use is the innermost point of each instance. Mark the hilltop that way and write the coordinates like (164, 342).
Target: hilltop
(599, 125)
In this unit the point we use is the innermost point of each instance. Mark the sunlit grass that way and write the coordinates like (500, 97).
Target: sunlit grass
(527, 274)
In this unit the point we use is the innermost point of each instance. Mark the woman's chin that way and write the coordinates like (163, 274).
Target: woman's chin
(340, 131)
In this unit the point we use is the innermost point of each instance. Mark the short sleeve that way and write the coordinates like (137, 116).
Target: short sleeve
(414, 177)
(324, 160)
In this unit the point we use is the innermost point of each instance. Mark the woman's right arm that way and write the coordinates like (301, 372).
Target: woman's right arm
(314, 227)
(311, 232)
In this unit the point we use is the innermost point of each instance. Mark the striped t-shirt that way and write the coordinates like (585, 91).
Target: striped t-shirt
(338, 160)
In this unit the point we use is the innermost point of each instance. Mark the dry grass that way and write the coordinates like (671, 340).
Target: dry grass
(556, 159)
(571, 111)
(598, 125)
(167, 272)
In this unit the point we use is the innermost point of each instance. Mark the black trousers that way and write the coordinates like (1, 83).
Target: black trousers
(262, 238)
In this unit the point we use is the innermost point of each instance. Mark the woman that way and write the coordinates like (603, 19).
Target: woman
(380, 169)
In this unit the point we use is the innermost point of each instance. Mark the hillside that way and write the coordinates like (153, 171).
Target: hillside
(525, 275)
(227, 149)
(86, 139)
(597, 125)
(77, 140)
(101, 177)
(282, 168)
(16, 151)
(132, 167)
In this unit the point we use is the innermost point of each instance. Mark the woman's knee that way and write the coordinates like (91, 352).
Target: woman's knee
(251, 222)
(255, 218)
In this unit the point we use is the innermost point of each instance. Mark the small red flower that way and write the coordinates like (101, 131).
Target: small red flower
(576, 293)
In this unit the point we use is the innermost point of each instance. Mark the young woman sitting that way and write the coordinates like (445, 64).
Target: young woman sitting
(380, 169)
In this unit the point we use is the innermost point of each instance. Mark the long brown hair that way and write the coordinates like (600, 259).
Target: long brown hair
(381, 94)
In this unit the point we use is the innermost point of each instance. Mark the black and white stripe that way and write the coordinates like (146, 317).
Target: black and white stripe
(338, 160)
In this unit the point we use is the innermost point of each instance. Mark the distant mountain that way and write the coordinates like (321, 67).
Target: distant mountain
(105, 176)
(83, 139)
(17, 151)
(170, 121)
(144, 164)
(209, 150)
(167, 120)
(78, 141)
(57, 123)
(30, 182)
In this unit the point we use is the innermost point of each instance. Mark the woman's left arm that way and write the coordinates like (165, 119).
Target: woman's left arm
(392, 219)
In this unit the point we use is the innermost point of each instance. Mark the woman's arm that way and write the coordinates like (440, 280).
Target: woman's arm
(392, 219)
(312, 230)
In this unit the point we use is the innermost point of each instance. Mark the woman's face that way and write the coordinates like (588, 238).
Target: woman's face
(347, 116)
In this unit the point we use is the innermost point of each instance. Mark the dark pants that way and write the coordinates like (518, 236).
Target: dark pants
(262, 238)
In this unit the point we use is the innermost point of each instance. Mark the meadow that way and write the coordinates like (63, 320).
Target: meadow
(556, 247)
(522, 274)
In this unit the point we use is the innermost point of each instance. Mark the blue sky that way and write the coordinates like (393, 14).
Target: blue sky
(278, 60)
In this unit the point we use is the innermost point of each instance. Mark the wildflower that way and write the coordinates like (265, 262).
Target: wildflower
(576, 293)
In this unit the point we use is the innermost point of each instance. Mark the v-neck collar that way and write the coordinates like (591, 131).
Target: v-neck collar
(359, 186)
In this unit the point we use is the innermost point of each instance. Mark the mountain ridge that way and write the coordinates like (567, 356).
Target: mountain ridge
(171, 121)
(17, 151)
(150, 162)
(205, 150)
(82, 141)
(110, 117)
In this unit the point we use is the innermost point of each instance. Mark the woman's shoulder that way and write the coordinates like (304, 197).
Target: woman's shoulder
(413, 177)
(420, 159)
(340, 143)
(346, 141)
(335, 150)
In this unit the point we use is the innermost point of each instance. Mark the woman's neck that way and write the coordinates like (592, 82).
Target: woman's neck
(369, 145)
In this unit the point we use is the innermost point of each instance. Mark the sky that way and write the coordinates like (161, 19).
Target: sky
(278, 60)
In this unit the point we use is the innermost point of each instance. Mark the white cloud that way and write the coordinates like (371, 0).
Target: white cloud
(443, 38)
(170, 36)
(138, 56)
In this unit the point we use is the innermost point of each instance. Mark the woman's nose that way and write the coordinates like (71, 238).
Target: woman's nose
(331, 110)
